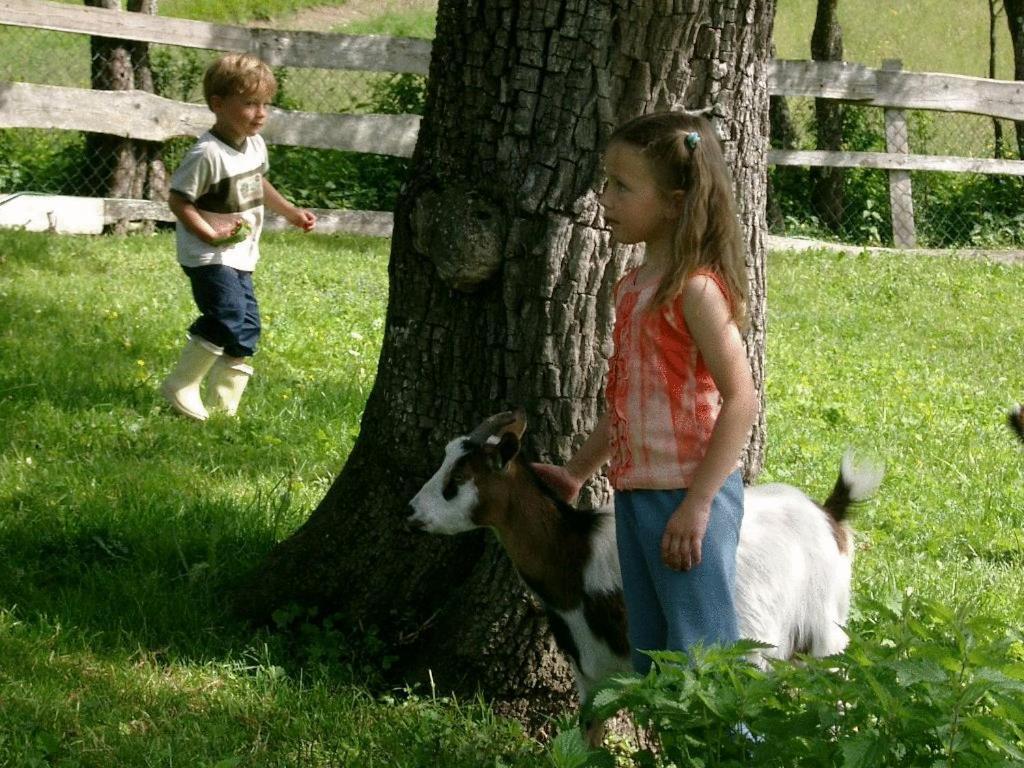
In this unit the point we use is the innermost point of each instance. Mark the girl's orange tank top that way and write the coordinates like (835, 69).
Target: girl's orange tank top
(662, 400)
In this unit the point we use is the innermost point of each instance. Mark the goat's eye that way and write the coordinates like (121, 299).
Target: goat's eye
(450, 489)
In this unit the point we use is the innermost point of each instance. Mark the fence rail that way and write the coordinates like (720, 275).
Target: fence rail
(890, 161)
(858, 84)
(89, 215)
(279, 48)
(145, 116)
(140, 115)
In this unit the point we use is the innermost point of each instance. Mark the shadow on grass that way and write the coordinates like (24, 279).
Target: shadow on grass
(129, 525)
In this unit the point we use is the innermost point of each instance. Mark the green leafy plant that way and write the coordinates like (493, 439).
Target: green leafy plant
(42, 161)
(402, 94)
(919, 685)
(178, 72)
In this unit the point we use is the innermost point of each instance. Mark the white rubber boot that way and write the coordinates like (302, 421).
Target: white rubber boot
(226, 384)
(181, 388)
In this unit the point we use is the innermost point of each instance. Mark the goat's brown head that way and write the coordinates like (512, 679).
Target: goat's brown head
(472, 487)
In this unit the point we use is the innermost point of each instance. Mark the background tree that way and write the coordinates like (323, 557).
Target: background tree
(827, 194)
(130, 168)
(500, 293)
(1014, 10)
(995, 7)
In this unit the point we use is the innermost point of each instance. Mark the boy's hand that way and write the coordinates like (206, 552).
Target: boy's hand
(303, 219)
(230, 232)
(684, 534)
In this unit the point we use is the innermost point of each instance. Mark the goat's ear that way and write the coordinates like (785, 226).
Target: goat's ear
(518, 425)
(503, 451)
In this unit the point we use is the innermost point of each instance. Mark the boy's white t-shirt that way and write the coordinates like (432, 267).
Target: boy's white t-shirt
(222, 181)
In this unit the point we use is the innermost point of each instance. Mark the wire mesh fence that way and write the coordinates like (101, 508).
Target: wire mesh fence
(945, 209)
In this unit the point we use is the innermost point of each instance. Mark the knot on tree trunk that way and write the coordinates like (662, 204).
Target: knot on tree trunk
(461, 233)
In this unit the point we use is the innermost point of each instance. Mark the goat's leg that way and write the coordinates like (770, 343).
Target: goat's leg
(594, 732)
(831, 642)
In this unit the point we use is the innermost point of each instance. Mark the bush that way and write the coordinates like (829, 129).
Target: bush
(178, 72)
(866, 217)
(51, 162)
(950, 209)
(919, 685)
(970, 210)
(322, 178)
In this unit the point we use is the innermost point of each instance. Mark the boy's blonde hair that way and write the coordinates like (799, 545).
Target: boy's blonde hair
(239, 74)
(684, 154)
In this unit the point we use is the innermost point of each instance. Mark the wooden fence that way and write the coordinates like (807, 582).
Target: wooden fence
(140, 115)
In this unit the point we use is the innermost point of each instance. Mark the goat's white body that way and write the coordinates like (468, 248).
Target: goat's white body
(602, 574)
(792, 580)
(596, 660)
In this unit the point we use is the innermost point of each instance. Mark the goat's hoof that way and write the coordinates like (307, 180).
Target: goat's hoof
(594, 732)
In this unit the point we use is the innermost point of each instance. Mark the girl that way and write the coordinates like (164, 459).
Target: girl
(680, 394)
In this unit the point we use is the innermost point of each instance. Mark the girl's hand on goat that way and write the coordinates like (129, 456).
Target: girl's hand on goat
(684, 534)
(559, 480)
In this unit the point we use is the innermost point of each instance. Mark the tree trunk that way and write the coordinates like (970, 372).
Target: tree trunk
(994, 9)
(500, 294)
(827, 183)
(127, 168)
(1015, 20)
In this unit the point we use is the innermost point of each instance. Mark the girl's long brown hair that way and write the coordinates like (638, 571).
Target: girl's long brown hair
(708, 233)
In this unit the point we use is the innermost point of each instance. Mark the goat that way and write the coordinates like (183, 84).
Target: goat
(793, 566)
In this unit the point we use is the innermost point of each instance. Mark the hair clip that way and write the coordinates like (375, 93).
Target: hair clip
(692, 140)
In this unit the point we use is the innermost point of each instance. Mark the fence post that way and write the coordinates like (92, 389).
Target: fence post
(901, 199)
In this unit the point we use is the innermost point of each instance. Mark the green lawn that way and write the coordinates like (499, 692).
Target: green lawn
(121, 525)
(929, 36)
(916, 359)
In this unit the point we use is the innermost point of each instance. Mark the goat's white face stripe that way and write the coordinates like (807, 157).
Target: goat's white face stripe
(436, 513)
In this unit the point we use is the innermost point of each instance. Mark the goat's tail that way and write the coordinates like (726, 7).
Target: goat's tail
(858, 481)
(1015, 418)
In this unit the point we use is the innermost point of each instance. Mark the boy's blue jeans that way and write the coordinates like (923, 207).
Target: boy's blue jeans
(674, 610)
(230, 315)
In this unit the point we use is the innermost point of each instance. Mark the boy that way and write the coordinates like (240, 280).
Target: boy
(217, 196)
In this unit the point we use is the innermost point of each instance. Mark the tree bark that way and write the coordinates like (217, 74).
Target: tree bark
(828, 184)
(1015, 21)
(994, 9)
(500, 294)
(128, 168)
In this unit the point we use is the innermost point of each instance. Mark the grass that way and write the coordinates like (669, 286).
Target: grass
(95, 475)
(121, 525)
(927, 36)
(416, 22)
(237, 11)
(916, 360)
